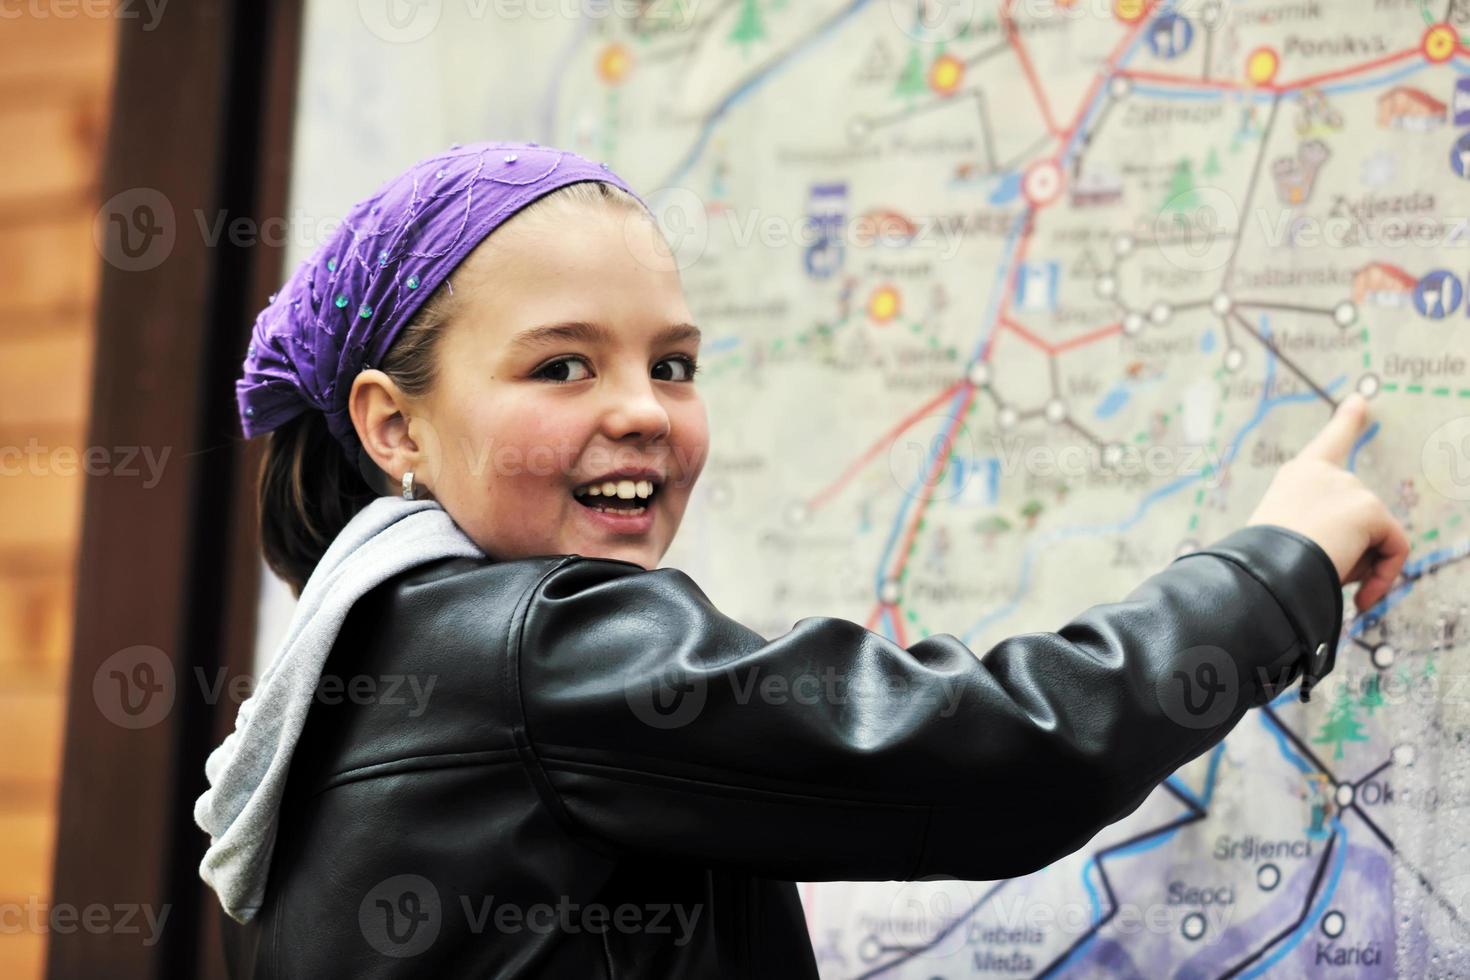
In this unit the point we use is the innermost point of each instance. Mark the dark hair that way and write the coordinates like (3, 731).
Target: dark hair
(308, 489)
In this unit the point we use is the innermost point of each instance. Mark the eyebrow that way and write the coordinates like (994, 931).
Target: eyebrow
(579, 331)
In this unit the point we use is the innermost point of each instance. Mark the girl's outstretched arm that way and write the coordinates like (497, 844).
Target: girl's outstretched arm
(653, 723)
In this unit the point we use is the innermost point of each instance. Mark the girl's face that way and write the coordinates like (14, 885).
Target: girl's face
(564, 418)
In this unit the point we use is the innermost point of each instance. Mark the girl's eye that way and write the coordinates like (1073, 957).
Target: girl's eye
(679, 368)
(565, 370)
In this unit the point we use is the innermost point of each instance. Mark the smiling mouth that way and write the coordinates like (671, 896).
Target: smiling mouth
(630, 497)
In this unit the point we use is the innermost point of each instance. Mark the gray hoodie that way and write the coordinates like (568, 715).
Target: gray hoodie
(247, 772)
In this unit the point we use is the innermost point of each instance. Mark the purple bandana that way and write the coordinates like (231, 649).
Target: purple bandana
(342, 309)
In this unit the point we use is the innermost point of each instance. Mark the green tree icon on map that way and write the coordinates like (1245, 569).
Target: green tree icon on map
(1181, 195)
(1342, 724)
(749, 27)
(911, 80)
(1372, 695)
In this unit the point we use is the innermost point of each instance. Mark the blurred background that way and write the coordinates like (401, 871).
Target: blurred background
(56, 78)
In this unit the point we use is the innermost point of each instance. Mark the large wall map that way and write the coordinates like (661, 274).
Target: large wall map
(1006, 305)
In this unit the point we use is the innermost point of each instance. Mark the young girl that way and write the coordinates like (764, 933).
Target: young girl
(499, 741)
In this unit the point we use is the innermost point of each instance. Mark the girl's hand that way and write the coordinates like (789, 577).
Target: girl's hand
(1314, 495)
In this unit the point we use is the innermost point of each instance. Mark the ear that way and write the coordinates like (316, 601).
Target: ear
(380, 413)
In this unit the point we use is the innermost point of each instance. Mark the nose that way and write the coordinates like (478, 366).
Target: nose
(635, 412)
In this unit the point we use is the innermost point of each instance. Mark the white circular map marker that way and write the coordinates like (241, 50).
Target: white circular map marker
(1193, 926)
(1042, 184)
(1234, 359)
(1333, 924)
(1344, 795)
(1106, 286)
(1368, 385)
(1345, 313)
(1056, 410)
(1132, 322)
(1006, 418)
(979, 374)
(1221, 304)
(1268, 876)
(1402, 755)
(891, 591)
(1383, 656)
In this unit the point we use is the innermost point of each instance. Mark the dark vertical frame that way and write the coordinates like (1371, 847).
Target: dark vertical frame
(203, 111)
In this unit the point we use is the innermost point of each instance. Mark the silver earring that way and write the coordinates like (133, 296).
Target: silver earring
(408, 485)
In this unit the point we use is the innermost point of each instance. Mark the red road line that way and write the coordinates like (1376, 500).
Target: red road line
(1014, 38)
(1110, 65)
(883, 441)
(1026, 335)
(1300, 83)
(929, 484)
(1018, 259)
(1329, 76)
(1182, 80)
(1088, 338)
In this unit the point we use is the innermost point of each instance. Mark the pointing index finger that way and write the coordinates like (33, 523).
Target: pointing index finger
(1336, 439)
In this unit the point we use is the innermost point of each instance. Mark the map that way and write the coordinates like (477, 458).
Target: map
(1006, 305)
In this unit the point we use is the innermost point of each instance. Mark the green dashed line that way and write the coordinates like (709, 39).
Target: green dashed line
(1443, 391)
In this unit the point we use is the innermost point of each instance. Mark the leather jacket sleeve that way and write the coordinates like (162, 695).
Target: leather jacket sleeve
(653, 724)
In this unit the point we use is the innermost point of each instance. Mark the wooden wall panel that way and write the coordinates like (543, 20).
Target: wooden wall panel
(55, 85)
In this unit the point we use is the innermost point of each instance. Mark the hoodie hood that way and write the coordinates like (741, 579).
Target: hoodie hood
(247, 772)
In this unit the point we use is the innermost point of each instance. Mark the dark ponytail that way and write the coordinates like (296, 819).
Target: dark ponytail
(308, 488)
(308, 493)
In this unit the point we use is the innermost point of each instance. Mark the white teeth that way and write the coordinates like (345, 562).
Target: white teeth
(622, 489)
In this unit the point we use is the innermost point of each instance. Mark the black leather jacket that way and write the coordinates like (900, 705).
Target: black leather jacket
(610, 778)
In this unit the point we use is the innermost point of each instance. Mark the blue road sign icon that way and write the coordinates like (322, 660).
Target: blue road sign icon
(1170, 36)
(1438, 294)
(1461, 104)
(1460, 156)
